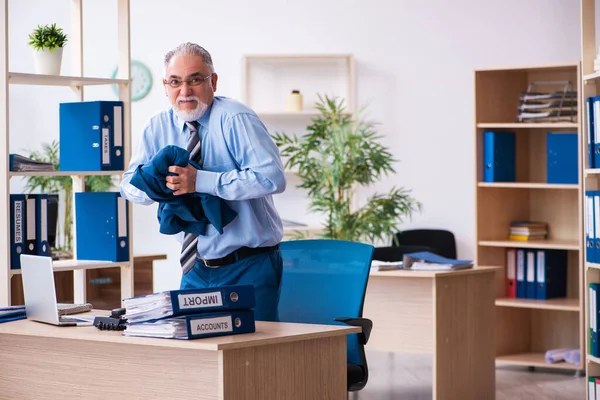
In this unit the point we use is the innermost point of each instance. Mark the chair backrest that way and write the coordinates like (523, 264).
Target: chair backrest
(323, 280)
(442, 241)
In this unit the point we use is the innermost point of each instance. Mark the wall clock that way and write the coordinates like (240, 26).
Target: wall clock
(141, 80)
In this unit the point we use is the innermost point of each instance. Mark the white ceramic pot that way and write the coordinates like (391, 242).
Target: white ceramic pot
(46, 62)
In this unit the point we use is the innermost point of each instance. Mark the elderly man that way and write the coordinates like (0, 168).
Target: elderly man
(239, 164)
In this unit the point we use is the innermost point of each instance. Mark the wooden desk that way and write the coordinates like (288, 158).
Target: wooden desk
(279, 361)
(449, 314)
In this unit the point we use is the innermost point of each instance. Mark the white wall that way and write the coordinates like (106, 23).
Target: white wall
(415, 64)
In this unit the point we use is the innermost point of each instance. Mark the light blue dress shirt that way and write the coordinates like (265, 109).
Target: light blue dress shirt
(240, 164)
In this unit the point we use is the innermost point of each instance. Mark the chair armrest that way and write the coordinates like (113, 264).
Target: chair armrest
(365, 323)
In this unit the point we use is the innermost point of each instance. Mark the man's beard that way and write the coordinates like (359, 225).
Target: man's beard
(190, 115)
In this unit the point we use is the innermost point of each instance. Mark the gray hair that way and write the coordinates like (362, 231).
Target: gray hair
(191, 49)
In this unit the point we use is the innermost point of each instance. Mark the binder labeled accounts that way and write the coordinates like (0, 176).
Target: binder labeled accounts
(196, 326)
(172, 303)
(91, 136)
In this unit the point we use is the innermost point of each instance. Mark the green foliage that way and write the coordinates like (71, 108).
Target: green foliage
(47, 37)
(58, 184)
(336, 156)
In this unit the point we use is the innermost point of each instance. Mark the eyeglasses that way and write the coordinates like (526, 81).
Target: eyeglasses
(195, 81)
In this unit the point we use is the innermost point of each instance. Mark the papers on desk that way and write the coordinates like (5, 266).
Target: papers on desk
(427, 261)
(20, 163)
(377, 265)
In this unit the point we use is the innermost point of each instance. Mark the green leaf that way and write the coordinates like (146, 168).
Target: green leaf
(336, 156)
(47, 37)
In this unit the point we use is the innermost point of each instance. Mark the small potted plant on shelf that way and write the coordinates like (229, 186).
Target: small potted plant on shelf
(337, 156)
(47, 42)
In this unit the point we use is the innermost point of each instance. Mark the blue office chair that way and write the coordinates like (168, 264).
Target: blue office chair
(324, 282)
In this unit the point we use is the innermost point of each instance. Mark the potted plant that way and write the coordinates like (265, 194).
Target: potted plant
(63, 186)
(336, 157)
(47, 42)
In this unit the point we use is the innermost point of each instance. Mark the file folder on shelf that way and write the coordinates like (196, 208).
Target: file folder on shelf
(591, 136)
(172, 303)
(511, 273)
(30, 226)
(41, 223)
(590, 229)
(91, 136)
(530, 273)
(551, 274)
(101, 226)
(499, 157)
(596, 134)
(562, 158)
(18, 223)
(196, 326)
(521, 263)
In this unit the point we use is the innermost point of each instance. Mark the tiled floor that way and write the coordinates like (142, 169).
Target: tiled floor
(400, 376)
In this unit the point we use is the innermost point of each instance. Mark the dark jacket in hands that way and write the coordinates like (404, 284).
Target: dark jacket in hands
(190, 212)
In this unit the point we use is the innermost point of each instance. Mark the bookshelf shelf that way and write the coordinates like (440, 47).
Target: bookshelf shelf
(593, 359)
(65, 173)
(521, 125)
(591, 77)
(17, 78)
(72, 265)
(527, 185)
(534, 244)
(550, 304)
(592, 171)
(533, 360)
(527, 328)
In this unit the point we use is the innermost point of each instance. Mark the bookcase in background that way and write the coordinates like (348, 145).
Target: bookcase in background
(589, 87)
(267, 81)
(77, 84)
(527, 328)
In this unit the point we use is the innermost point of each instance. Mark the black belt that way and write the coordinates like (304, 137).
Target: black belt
(239, 254)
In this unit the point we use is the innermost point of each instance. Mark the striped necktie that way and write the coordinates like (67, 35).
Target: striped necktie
(190, 240)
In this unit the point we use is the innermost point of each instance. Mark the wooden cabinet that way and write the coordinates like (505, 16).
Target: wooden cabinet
(527, 328)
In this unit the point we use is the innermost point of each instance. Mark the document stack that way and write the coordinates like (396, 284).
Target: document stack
(427, 261)
(192, 313)
(12, 313)
(525, 231)
(540, 104)
(19, 163)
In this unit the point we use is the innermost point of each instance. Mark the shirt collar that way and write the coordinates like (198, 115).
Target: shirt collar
(203, 120)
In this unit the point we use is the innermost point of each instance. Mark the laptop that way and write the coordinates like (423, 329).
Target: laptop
(40, 294)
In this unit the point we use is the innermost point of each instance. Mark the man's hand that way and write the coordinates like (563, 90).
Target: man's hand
(184, 181)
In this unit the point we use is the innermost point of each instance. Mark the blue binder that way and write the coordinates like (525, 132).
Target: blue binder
(530, 274)
(562, 158)
(197, 326)
(595, 114)
(102, 226)
(190, 301)
(521, 270)
(551, 274)
(590, 227)
(591, 137)
(41, 224)
(18, 223)
(499, 157)
(91, 136)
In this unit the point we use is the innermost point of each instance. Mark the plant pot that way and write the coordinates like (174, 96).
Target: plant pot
(47, 62)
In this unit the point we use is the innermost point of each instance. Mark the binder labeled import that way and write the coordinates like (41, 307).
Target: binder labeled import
(91, 136)
(101, 226)
(173, 303)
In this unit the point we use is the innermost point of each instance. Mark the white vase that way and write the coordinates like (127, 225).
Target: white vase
(47, 62)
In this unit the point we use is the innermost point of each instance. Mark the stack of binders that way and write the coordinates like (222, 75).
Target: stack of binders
(192, 313)
(29, 227)
(536, 273)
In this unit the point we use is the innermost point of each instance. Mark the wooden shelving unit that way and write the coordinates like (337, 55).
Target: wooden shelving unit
(588, 87)
(527, 328)
(77, 84)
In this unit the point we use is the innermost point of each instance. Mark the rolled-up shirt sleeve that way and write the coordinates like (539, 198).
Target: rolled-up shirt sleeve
(260, 170)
